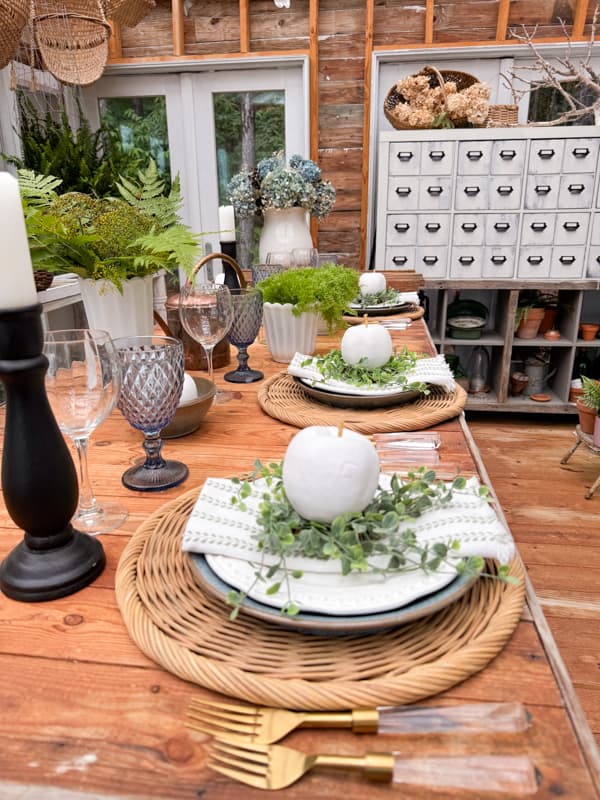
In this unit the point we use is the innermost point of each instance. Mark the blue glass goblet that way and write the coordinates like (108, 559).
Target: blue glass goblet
(152, 381)
(247, 317)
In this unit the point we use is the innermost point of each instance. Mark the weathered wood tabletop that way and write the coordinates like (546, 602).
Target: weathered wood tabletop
(83, 713)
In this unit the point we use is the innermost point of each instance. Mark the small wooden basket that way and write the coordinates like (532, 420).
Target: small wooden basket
(503, 116)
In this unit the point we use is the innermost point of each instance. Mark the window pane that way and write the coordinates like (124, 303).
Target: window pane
(547, 103)
(141, 124)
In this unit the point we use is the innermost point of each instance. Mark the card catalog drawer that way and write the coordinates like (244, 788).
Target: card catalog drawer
(508, 157)
(571, 228)
(403, 193)
(474, 158)
(465, 262)
(404, 158)
(469, 229)
(400, 258)
(431, 261)
(545, 156)
(435, 193)
(534, 262)
(498, 262)
(471, 193)
(437, 158)
(501, 229)
(505, 191)
(433, 229)
(401, 229)
(567, 262)
(581, 155)
(593, 262)
(576, 190)
(538, 229)
(542, 191)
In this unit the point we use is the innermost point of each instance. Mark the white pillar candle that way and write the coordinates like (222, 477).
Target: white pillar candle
(17, 286)
(226, 224)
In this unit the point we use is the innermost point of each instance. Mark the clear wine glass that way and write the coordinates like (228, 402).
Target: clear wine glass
(152, 369)
(82, 384)
(283, 257)
(206, 313)
(247, 317)
(305, 257)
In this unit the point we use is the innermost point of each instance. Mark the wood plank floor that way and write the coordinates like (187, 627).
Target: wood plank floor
(557, 531)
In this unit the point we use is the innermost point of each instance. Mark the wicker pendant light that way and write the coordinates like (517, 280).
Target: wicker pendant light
(72, 37)
(128, 12)
(13, 18)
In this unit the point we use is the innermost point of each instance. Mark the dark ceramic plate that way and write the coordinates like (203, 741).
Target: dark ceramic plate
(340, 400)
(325, 623)
(383, 310)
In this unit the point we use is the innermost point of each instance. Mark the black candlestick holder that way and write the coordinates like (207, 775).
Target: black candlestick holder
(39, 480)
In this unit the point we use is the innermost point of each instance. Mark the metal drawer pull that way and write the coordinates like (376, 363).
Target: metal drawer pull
(432, 227)
(404, 155)
(430, 259)
(474, 155)
(434, 190)
(400, 259)
(471, 191)
(403, 191)
(535, 259)
(543, 189)
(576, 188)
(505, 190)
(571, 226)
(402, 227)
(538, 226)
(436, 155)
(469, 226)
(466, 259)
(567, 259)
(501, 226)
(547, 153)
(581, 152)
(508, 155)
(498, 259)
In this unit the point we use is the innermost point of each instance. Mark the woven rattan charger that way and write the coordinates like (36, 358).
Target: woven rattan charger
(189, 634)
(414, 312)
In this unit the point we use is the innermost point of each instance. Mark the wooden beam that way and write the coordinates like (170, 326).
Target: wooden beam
(206, 57)
(178, 31)
(581, 7)
(502, 24)
(445, 45)
(429, 18)
(244, 26)
(369, 14)
(115, 49)
(313, 67)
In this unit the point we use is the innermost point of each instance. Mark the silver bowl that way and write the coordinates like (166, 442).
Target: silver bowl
(189, 415)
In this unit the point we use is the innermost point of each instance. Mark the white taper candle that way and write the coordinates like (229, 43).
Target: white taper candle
(17, 286)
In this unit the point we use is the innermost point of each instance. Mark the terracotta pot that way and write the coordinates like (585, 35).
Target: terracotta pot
(596, 439)
(587, 417)
(588, 331)
(548, 320)
(530, 324)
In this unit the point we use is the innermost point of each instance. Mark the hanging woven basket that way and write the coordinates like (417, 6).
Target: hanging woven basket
(13, 19)
(394, 99)
(128, 12)
(73, 40)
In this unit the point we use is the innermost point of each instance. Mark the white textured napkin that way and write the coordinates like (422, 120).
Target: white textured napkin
(400, 299)
(434, 370)
(217, 527)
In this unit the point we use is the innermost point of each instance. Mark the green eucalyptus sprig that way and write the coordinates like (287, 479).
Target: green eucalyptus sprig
(333, 367)
(353, 539)
(387, 296)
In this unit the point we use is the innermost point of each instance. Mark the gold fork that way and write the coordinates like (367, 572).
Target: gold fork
(267, 725)
(275, 767)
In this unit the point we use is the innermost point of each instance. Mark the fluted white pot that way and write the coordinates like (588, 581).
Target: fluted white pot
(129, 313)
(287, 334)
(284, 230)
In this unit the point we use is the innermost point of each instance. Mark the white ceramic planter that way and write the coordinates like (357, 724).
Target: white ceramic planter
(284, 230)
(126, 314)
(286, 334)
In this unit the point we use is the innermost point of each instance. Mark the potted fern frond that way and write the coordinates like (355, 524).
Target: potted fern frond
(589, 405)
(115, 245)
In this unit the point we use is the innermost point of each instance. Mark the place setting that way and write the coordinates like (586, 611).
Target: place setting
(376, 299)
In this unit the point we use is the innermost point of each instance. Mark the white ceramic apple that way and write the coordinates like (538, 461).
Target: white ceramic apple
(369, 346)
(189, 391)
(372, 283)
(329, 471)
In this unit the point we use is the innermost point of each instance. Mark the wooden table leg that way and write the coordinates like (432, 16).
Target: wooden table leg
(572, 449)
(595, 485)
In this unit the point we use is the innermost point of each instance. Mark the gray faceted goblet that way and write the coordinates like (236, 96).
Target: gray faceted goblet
(247, 317)
(152, 381)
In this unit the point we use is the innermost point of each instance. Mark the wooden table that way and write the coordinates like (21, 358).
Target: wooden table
(84, 714)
